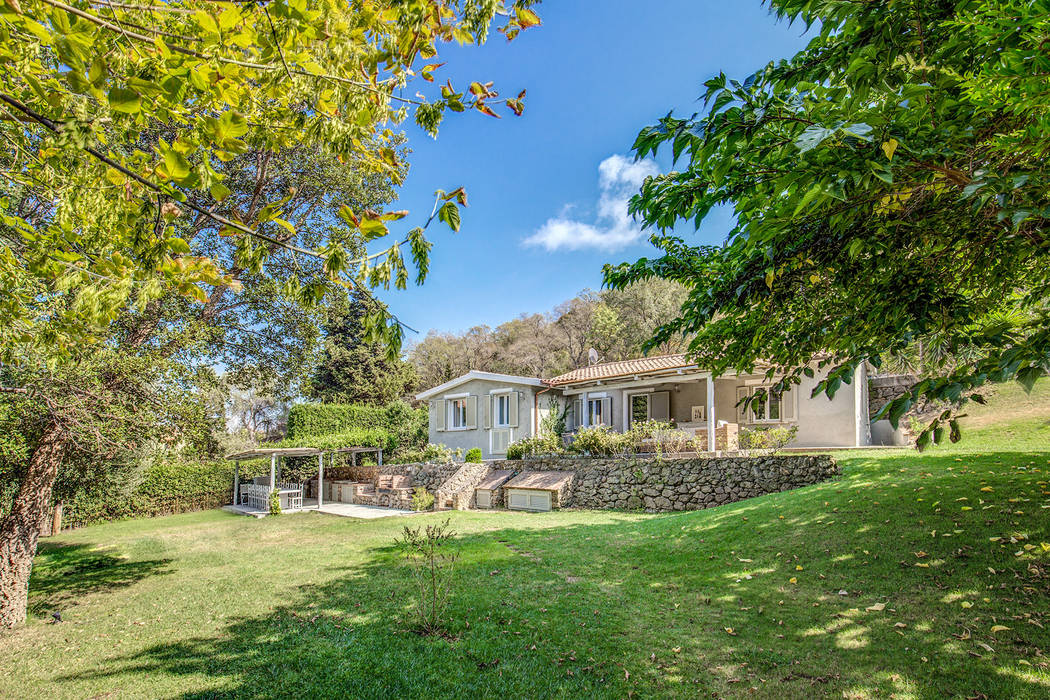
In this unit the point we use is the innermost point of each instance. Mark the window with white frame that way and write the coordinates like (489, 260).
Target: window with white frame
(596, 412)
(766, 405)
(502, 410)
(457, 413)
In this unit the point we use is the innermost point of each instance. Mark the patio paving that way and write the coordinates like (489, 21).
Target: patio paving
(344, 510)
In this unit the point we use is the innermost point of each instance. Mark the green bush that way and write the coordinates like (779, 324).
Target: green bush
(473, 455)
(599, 441)
(422, 499)
(439, 454)
(766, 441)
(546, 444)
(165, 487)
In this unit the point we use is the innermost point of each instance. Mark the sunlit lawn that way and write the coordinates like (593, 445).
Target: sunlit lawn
(912, 575)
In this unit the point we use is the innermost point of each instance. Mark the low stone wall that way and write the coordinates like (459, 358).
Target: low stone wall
(653, 484)
(680, 484)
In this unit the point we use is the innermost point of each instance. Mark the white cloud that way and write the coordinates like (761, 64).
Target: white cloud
(618, 179)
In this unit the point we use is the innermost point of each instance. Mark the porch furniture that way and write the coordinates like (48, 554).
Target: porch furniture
(256, 495)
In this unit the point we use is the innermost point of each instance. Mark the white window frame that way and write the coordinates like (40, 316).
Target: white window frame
(457, 407)
(503, 398)
(764, 418)
(597, 401)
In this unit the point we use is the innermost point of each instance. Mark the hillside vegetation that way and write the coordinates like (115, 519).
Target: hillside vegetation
(912, 576)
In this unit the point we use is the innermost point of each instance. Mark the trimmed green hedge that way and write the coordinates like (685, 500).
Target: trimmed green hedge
(351, 438)
(404, 426)
(176, 486)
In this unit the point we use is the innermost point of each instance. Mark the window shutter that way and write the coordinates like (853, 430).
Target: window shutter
(787, 405)
(660, 406)
(577, 413)
(607, 411)
(741, 411)
(437, 415)
(487, 409)
(472, 412)
(513, 398)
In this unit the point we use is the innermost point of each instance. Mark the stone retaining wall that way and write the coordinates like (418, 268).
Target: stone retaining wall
(882, 390)
(680, 484)
(656, 484)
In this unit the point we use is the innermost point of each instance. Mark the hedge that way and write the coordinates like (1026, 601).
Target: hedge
(350, 438)
(406, 426)
(168, 487)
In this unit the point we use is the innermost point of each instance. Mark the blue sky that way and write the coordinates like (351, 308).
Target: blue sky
(546, 189)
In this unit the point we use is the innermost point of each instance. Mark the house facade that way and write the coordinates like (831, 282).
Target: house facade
(485, 410)
(490, 411)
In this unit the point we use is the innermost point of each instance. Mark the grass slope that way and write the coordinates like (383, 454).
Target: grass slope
(941, 558)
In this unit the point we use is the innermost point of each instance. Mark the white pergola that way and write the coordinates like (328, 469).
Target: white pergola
(278, 454)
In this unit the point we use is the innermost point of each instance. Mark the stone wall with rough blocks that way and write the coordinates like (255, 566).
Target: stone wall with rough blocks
(882, 390)
(650, 483)
(459, 488)
(680, 484)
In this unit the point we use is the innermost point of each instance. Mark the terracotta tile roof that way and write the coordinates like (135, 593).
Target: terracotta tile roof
(545, 481)
(623, 368)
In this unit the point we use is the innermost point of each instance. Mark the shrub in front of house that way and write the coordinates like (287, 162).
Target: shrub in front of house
(473, 455)
(599, 441)
(766, 441)
(541, 445)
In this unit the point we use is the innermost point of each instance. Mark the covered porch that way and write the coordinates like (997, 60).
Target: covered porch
(703, 408)
(254, 497)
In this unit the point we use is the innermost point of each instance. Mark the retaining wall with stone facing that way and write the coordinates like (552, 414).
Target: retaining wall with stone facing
(657, 484)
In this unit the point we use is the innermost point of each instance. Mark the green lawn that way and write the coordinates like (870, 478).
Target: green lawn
(944, 559)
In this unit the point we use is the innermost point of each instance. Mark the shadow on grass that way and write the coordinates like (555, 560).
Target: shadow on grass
(679, 604)
(64, 573)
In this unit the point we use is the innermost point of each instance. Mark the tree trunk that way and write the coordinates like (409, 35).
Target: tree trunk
(21, 528)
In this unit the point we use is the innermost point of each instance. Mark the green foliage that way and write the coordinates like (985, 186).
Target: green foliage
(422, 499)
(275, 502)
(473, 455)
(103, 100)
(431, 552)
(615, 321)
(439, 454)
(541, 445)
(353, 370)
(890, 187)
(598, 441)
(766, 441)
(355, 437)
(553, 423)
(166, 486)
(321, 418)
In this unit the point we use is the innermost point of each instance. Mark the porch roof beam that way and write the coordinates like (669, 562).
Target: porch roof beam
(637, 383)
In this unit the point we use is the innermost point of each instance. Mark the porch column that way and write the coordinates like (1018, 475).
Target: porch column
(236, 483)
(710, 413)
(320, 480)
(583, 409)
(379, 452)
(273, 472)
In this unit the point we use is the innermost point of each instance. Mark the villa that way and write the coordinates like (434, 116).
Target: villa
(490, 411)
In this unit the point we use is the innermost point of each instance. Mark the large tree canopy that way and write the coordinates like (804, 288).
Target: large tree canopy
(182, 181)
(890, 186)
